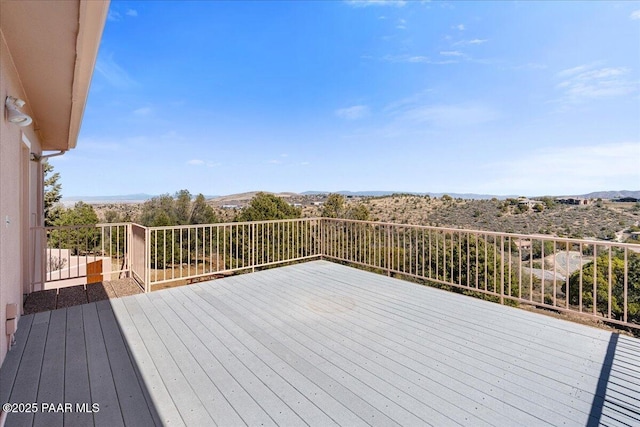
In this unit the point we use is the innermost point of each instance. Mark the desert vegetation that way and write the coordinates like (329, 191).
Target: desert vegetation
(601, 220)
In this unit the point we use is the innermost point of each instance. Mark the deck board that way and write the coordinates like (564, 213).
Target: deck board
(52, 389)
(76, 372)
(13, 359)
(318, 344)
(101, 379)
(28, 375)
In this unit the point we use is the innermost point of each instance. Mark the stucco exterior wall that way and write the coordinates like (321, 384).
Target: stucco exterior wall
(20, 198)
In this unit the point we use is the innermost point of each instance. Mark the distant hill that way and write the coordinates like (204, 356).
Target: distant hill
(125, 198)
(389, 193)
(612, 194)
(474, 196)
(244, 197)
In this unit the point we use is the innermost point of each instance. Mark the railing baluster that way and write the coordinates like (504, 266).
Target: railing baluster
(625, 284)
(595, 279)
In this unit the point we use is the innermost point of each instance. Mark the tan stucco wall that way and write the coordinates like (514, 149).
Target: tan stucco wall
(13, 250)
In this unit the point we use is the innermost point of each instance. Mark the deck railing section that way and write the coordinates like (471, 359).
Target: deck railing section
(198, 251)
(79, 254)
(594, 278)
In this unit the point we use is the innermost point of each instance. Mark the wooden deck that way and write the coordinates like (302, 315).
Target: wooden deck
(317, 344)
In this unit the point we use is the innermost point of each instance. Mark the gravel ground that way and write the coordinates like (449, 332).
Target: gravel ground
(52, 299)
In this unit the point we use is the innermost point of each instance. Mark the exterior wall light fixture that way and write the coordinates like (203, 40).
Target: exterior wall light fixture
(14, 115)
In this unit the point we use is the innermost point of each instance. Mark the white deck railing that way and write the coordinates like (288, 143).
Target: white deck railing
(544, 271)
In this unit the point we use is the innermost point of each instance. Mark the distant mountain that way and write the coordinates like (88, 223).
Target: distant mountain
(245, 197)
(358, 193)
(130, 198)
(389, 193)
(125, 198)
(612, 194)
(474, 196)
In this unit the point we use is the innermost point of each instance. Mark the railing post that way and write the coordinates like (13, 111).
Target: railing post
(129, 249)
(147, 260)
(389, 251)
(321, 228)
(502, 270)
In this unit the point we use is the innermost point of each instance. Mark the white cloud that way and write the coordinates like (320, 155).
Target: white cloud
(305, 163)
(569, 170)
(401, 24)
(450, 115)
(367, 3)
(585, 82)
(144, 111)
(200, 162)
(416, 59)
(452, 53)
(575, 70)
(459, 27)
(114, 16)
(470, 42)
(635, 15)
(531, 66)
(274, 162)
(107, 67)
(417, 110)
(353, 113)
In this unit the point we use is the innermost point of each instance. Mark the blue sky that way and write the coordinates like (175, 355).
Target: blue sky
(477, 97)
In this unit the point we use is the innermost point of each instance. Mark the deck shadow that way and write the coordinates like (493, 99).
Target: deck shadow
(76, 356)
(600, 398)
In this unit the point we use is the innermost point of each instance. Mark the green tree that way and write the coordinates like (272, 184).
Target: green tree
(265, 206)
(73, 235)
(359, 212)
(164, 211)
(182, 207)
(334, 206)
(158, 211)
(602, 280)
(201, 213)
(536, 250)
(52, 194)
(80, 214)
(111, 216)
